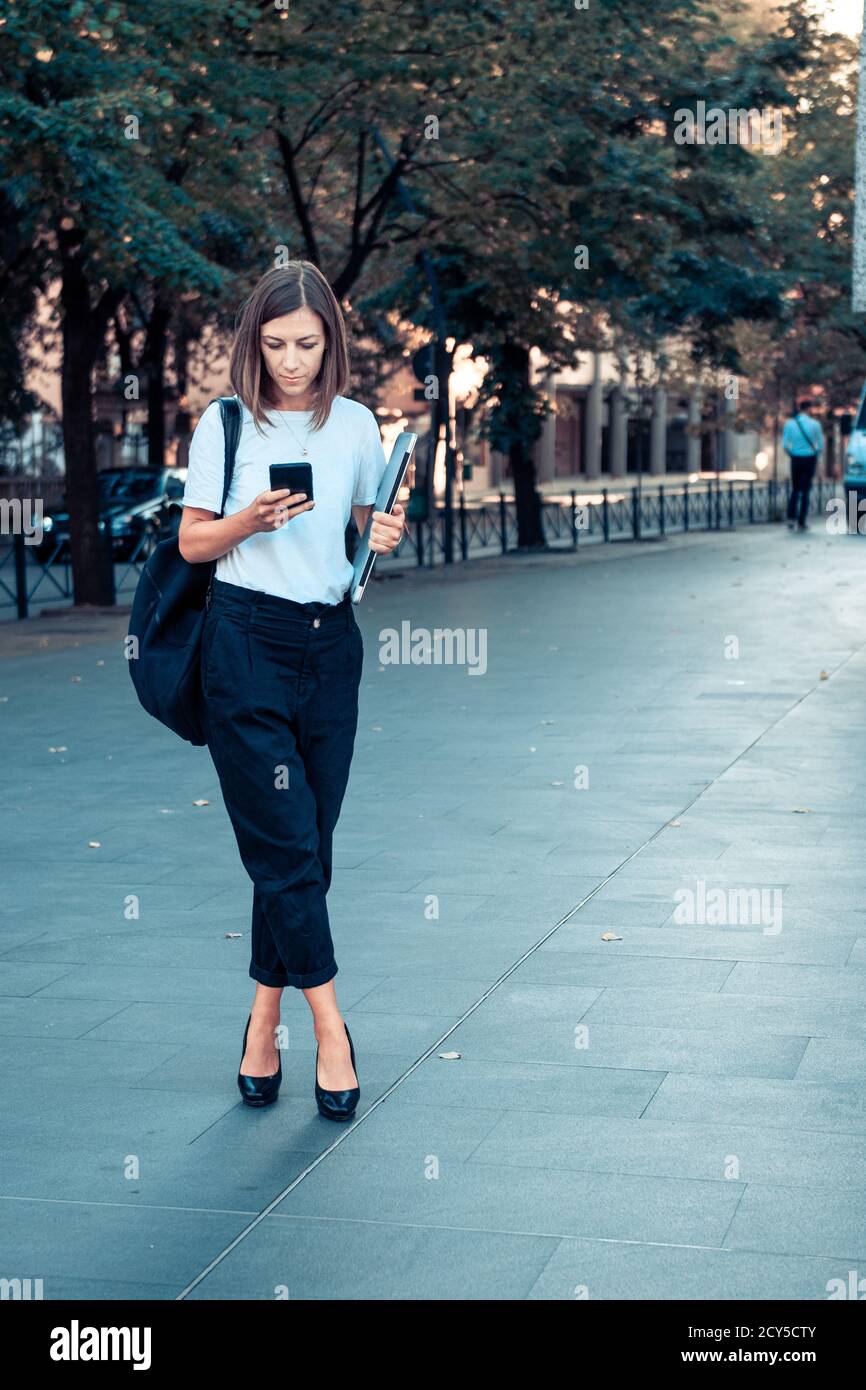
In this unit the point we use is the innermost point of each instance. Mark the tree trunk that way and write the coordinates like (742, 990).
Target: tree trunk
(182, 430)
(526, 498)
(154, 362)
(83, 331)
(80, 347)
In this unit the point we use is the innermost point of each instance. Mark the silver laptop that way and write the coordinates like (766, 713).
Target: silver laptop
(392, 481)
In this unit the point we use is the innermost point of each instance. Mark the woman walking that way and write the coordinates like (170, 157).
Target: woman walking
(281, 653)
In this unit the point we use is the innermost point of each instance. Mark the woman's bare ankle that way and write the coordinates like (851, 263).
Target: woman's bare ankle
(330, 1028)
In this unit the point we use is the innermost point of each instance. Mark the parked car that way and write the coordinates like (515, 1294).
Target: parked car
(854, 473)
(138, 506)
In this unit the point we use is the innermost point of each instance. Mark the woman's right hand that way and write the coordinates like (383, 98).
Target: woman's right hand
(272, 509)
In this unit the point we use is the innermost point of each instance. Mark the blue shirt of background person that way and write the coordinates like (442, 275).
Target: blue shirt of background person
(802, 436)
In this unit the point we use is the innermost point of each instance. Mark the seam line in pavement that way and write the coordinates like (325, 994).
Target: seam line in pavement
(530, 1235)
(296, 1181)
(734, 1212)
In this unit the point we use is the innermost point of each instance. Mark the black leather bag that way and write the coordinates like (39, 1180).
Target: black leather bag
(167, 619)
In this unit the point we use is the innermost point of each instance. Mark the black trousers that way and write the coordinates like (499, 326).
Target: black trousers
(802, 473)
(280, 682)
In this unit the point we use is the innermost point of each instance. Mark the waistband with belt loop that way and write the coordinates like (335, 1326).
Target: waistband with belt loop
(255, 601)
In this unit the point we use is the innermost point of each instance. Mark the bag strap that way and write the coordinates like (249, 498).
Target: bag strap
(812, 445)
(230, 411)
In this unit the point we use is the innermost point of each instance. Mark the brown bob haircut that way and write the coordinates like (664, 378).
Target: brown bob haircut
(297, 285)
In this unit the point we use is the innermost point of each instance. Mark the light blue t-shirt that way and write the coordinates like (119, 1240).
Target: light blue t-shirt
(305, 559)
(799, 432)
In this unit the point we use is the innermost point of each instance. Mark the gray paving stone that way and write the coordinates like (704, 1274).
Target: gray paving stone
(74, 1239)
(751, 1012)
(486, 1197)
(43, 1113)
(155, 983)
(834, 1059)
(304, 1259)
(664, 1148)
(518, 1003)
(586, 969)
(25, 978)
(573, 1043)
(775, 1104)
(435, 998)
(37, 1017)
(64, 1290)
(550, 1088)
(814, 981)
(597, 1269)
(705, 943)
(788, 1220)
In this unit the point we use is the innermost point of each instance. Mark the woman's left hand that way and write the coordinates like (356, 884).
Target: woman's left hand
(386, 531)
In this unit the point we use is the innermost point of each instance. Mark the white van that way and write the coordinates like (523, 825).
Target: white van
(854, 472)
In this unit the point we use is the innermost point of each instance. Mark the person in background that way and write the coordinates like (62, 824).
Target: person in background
(803, 439)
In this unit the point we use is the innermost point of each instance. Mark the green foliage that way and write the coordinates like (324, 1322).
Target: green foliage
(310, 128)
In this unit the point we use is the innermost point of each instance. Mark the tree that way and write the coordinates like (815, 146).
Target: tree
(820, 342)
(92, 98)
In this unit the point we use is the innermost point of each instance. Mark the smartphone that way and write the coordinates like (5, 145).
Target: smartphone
(297, 476)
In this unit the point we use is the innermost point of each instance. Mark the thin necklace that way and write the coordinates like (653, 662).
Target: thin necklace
(304, 450)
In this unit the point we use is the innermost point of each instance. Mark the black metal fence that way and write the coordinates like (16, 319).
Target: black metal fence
(609, 515)
(479, 530)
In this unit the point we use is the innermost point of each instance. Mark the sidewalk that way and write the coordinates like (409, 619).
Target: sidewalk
(677, 1113)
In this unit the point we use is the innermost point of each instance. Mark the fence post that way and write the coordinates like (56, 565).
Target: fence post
(686, 505)
(463, 550)
(605, 514)
(502, 521)
(751, 501)
(731, 503)
(635, 515)
(710, 505)
(20, 573)
(661, 509)
(573, 519)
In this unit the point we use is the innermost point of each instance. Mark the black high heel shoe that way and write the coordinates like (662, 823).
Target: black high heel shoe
(337, 1105)
(259, 1090)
